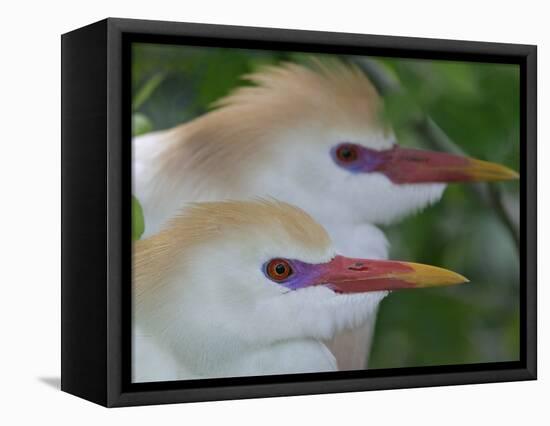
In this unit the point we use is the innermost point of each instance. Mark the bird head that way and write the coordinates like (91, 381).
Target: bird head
(312, 134)
(261, 272)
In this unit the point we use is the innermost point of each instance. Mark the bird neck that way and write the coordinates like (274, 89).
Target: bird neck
(207, 347)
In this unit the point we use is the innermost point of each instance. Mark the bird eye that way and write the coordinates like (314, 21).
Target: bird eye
(278, 269)
(347, 153)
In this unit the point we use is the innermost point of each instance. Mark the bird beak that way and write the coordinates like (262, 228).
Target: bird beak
(407, 165)
(348, 275)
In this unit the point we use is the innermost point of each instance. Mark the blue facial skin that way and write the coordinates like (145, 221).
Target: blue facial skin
(367, 159)
(303, 274)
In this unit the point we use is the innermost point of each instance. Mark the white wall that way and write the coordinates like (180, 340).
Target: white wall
(30, 174)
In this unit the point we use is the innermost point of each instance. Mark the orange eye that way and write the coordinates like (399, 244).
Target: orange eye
(347, 153)
(278, 269)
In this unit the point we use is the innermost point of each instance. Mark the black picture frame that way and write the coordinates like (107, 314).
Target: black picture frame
(96, 211)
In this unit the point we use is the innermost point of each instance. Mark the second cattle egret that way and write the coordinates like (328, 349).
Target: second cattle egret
(310, 136)
(252, 288)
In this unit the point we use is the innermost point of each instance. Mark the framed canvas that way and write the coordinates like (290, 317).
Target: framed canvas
(254, 212)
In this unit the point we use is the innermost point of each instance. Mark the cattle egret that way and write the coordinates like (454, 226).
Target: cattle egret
(250, 288)
(310, 136)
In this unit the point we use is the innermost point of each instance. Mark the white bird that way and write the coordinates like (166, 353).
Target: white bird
(310, 136)
(252, 288)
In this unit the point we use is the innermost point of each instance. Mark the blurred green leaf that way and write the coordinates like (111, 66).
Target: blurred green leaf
(400, 109)
(138, 223)
(147, 90)
(140, 124)
(221, 74)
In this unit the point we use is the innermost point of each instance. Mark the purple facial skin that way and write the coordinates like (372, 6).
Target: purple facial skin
(303, 274)
(366, 160)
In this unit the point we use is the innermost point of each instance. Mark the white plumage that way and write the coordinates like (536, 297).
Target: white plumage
(204, 306)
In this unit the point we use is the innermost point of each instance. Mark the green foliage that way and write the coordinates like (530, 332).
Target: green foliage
(140, 124)
(147, 90)
(138, 224)
(477, 105)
